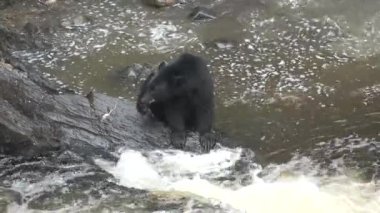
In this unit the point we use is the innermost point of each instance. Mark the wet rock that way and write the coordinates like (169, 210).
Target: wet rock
(47, 2)
(185, 1)
(133, 73)
(10, 41)
(12, 138)
(221, 44)
(160, 3)
(5, 3)
(8, 197)
(37, 117)
(33, 32)
(77, 21)
(20, 107)
(80, 21)
(34, 121)
(202, 14)
(66, 24)
(224, 45)
(31, 29)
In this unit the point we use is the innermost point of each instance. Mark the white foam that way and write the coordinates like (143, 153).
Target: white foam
(194, 174)
(145, 177)
(298, 195)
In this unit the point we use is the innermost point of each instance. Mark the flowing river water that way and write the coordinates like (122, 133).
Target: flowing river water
(297, 89)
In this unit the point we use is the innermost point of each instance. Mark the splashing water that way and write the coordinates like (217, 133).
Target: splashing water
(201, 175)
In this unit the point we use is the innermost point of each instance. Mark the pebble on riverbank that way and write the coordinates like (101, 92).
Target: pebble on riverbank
(202, 14)
(160, 3)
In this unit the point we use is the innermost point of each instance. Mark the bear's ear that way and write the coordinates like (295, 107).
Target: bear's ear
(162, 65)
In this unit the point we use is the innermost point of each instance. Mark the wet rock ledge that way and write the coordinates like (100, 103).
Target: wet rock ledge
(36, 117)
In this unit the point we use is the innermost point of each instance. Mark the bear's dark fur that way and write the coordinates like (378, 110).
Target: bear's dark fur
(181, 94)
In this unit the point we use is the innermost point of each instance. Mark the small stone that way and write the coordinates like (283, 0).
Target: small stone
(202, 14)
(133, 72)
(66, 24)
(30, 29)
(81, 21)
(5, 3)
(160, 3)
(47, 2)
(221, 43)
(77, 21)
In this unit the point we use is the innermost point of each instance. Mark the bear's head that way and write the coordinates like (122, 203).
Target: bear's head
(176, 79)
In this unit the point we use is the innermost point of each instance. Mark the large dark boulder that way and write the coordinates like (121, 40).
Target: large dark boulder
(36, 116)
(34, 120)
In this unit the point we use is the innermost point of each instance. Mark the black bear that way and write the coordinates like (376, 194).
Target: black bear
(181, 94)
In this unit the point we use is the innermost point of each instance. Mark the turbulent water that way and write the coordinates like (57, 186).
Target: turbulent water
(229, 179)
(215, 176)
(298, 91)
